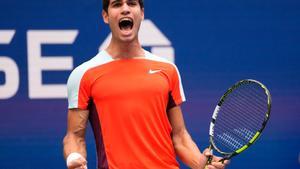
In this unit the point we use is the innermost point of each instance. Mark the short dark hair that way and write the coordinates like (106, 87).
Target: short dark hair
(105, 4)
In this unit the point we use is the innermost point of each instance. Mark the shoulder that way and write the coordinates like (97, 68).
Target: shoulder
(80, 71)
(154, 57)
(163, 62)
(160, 60)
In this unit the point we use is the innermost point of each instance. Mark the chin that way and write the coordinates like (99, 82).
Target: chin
(128, 39)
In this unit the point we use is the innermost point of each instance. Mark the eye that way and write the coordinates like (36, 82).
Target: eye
(132, 3)
(116, 4)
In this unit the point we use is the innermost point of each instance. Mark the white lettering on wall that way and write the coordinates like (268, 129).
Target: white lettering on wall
(9, 67)
(38, 63)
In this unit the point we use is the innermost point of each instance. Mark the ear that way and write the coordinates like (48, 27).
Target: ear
(143, 13)
(105, 16)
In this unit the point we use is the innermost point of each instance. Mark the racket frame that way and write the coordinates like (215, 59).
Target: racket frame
(212, 146)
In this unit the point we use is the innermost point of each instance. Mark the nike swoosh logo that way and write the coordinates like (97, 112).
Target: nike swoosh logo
(153, 71)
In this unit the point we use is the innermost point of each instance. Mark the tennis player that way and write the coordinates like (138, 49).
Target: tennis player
(132, 99)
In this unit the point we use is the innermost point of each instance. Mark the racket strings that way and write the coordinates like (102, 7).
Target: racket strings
(227, 143)
(248, 114)
(253, 95)
(257, 101)
(254, 98)
(242, 108)
(235, 138)
(245, 101)
(240, 117)
(246, 136)
(230, 140)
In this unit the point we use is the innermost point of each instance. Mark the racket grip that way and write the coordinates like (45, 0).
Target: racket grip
(209, 159)
(223, 159)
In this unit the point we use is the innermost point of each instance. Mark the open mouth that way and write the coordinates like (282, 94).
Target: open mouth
(126, 24)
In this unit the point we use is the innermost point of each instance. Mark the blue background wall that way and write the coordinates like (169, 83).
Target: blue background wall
(216, 43)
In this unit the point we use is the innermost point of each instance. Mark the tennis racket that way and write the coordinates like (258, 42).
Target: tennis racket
(239, 118)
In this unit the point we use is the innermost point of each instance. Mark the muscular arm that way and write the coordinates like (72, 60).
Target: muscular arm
(74, 141)
(185, 147)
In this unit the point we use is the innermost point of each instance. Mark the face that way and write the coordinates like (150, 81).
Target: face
(124, 18)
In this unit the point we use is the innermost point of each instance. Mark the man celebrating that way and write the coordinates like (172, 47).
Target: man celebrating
(132, 99)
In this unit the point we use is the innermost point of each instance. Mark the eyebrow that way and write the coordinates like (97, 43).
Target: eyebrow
(114, 1)
(118, 1)
(121, 0)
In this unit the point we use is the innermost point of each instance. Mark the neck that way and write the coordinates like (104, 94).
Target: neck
(125, 50)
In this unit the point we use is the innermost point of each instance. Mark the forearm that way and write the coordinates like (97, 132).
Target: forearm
(187, 150)
(73, 143)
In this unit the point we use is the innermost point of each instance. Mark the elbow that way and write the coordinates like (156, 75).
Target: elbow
(178, 138)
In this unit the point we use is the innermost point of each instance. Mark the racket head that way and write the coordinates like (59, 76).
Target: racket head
(240, 117)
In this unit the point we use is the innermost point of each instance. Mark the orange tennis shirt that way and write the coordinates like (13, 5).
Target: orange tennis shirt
(128, 101)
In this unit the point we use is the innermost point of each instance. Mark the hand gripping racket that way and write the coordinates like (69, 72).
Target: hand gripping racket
(239, 118)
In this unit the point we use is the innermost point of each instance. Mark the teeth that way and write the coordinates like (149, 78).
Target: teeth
(126, 19)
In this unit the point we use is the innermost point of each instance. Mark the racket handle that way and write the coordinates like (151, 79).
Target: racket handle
(209, 158)
(223, 159)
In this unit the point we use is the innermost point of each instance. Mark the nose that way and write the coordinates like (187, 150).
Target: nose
(125, 9)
